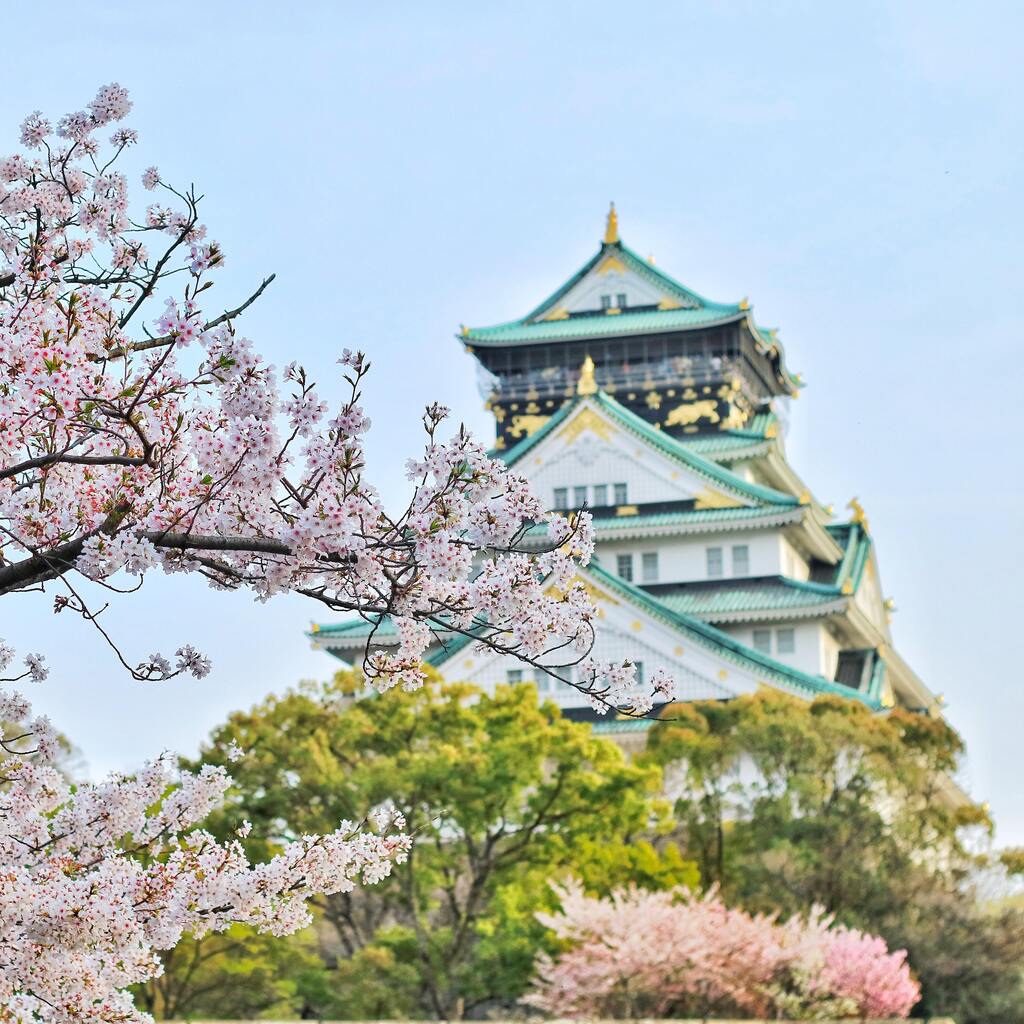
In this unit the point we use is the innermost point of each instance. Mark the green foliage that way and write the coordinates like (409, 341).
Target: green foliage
(502, 793)
(786, 804)
(379, 982)
(239, 974)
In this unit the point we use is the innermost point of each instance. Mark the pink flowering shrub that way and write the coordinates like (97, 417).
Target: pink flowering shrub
(643, 954)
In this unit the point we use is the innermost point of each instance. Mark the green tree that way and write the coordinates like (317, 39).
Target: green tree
(786, 804)
(238, 974)
(502, 794)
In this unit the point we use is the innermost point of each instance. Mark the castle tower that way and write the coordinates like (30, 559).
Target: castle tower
(685, 364)
(661, 412)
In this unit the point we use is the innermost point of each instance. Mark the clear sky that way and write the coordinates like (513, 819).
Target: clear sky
(855, 169)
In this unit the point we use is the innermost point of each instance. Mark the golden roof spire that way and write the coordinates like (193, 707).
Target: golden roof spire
(611, 228)
(586, 385)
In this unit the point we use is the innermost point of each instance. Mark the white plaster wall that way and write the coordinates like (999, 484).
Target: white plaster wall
(623, 633)
(684, 559)
(869, 597)
(591, 460)
(792, 563)
(816, 651)
(586, 296)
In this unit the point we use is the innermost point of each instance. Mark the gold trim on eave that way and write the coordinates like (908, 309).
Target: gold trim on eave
(715, 499)
(585, 419)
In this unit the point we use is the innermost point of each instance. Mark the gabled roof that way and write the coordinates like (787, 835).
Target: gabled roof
(680, 309)
(682, 453)
(725, 644)
(686, 309)
(741, 600)
(744, 600)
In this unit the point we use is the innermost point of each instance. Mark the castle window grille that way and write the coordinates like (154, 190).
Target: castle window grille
(715, 562)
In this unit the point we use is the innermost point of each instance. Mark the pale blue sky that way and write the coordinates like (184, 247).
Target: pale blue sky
(854, 168)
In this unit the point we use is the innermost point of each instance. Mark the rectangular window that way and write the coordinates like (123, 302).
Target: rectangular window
(621, 494)
(763, 641)
(544, 681)
(561, 497)
(620, 300)
(514, 675)
(600, 494)
(785, 641)
(624, 567)
(740, 560)
(714, 556)
(606, 302)
(639, 674)
(579, 497)
(649, 566)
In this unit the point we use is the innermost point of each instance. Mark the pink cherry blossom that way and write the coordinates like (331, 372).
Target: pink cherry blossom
(644, 954)
(140, 431)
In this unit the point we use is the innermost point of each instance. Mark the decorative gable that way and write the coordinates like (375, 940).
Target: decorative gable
(614, 284)
(589, 449)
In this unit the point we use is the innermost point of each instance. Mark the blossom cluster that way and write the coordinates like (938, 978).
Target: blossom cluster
(645, 954)
(97, 879)
(139, 432)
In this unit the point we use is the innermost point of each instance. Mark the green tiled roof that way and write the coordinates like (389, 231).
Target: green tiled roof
(695, 311)
(689, 517)
(737, 597)
(598, 325)
(615, 726)
(723, 443)
(643, 268)
(670, 446)
(856, 544)
(727, 645)
(353, 628)
(686, 609)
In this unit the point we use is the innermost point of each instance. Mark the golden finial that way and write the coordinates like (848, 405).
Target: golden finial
(858, 514)
(744, 303)
(890, 604)
(586, 385)
(611, 228)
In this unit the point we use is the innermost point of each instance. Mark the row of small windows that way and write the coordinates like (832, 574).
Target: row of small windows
(619, 303)
(648, 567)
(598, 495)
(785, 641)
(740, 561)
(546, 682)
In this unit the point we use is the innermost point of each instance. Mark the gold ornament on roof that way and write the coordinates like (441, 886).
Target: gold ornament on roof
(587, 385)
(611, 228)
(858, 514)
